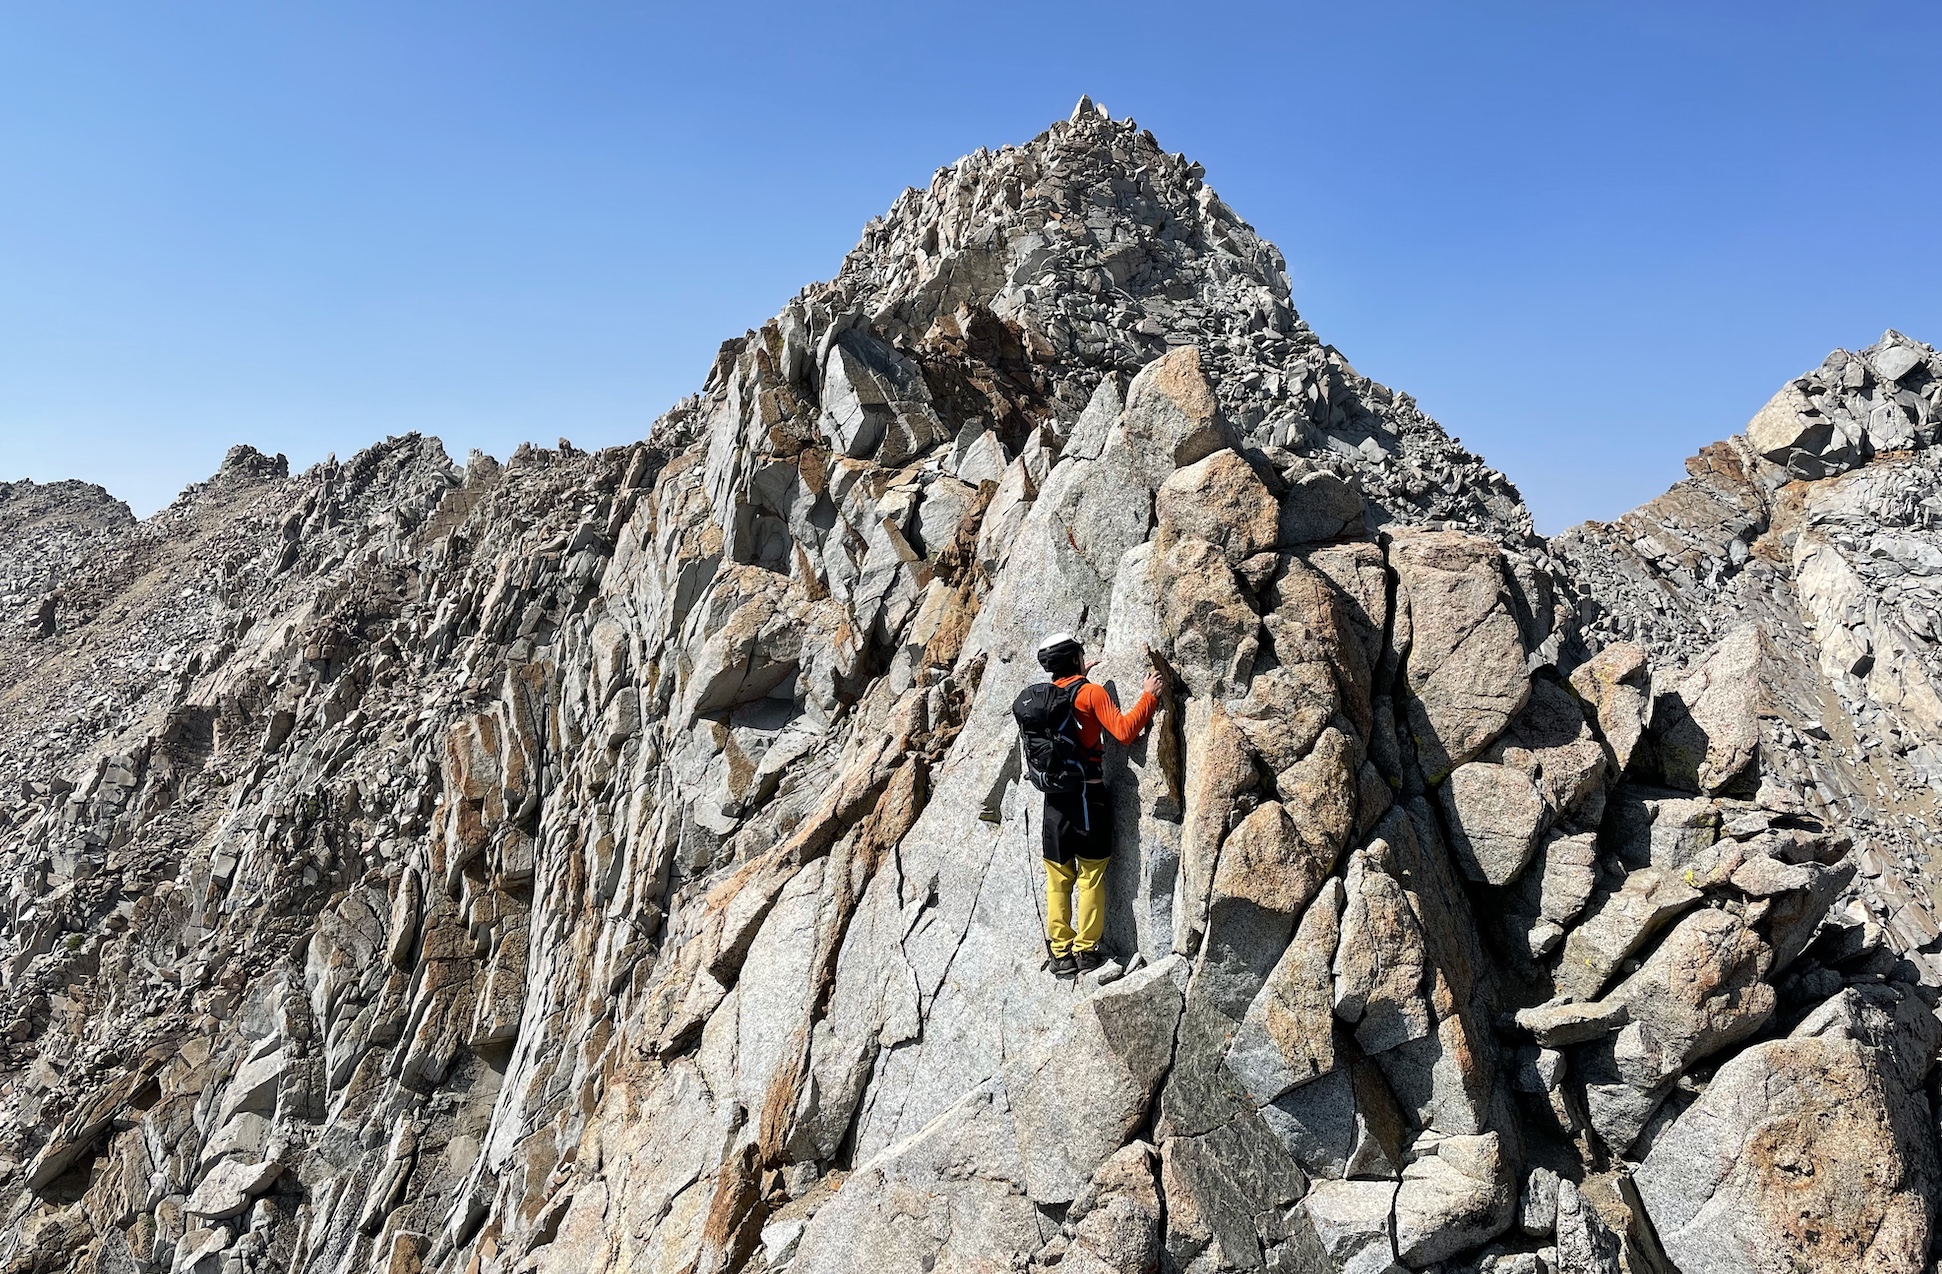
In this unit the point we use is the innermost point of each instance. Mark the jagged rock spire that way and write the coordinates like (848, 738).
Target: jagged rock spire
(1086, 253)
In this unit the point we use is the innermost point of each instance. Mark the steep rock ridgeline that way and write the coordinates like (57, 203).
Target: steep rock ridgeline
(1819, 525)
(618, 861)
(46, 528)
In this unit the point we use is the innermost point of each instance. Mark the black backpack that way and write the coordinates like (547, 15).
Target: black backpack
(1053, 760)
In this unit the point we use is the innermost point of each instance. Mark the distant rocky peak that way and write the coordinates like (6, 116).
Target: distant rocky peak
(246, 462)
(1006, 291)
(1085, 224)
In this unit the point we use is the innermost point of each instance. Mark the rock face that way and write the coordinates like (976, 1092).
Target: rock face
(619, 860)
(1811, 1145)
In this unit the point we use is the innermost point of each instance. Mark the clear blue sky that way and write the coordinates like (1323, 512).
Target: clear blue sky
(1588, 236)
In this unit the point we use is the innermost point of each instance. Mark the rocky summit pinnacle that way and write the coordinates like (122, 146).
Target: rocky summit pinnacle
(1035, 270)
(621, 860)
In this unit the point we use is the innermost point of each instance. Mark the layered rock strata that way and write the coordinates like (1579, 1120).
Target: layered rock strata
(619, 860)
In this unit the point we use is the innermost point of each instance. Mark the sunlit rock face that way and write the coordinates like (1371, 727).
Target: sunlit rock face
(619, 860)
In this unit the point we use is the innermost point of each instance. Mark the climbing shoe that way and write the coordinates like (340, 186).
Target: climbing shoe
(1087, 961)
(1064, 966)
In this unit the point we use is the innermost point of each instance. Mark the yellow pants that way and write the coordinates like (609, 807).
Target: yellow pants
(1090, 875)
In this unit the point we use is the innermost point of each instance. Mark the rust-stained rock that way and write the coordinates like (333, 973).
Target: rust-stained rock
(1466, 665)
(1800, 1150)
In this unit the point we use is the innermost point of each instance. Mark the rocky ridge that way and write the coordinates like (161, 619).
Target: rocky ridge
(618, 860)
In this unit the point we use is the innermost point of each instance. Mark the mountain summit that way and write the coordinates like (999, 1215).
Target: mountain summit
(622, 860)
(1035, 270)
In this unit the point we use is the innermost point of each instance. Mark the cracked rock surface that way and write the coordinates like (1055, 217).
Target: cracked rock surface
(619, 861)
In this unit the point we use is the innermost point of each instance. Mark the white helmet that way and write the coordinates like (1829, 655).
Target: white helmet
(1057, 650)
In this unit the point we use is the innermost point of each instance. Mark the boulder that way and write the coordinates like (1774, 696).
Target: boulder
(1288, 1035)
(243, 1137)
(1227, 1192)
(1616, 927)
(1586, 1245)
(1319, 794)
(1494, 813)
(1094, 511)
(1172, 417)
(1266, 876)
(976, 455)
(228, 1188)
(1076, 1098)
(1569, 875)
(1537, 1206)
(1212, 630)
(1219, 770)
(1551, 745)
(1359, 572)
(1318, 505)
(1381, 963)
(1708, 727)
(1702, 989)
(1445, 1078)
(253, 1088)
(1355, 1221)
(1286, 709)
(82, 1130)
(1456, 1193)
(1319, 677)
(1763, 876)
(1801, 1154)
(1219, 500)
(1616, 686)
(1265, 863)
(1793, 431)
(1794, 917)
(1004, 516)
(1344, 1123)
(875, 402)
(1556, 1025)
(1894, 356)
(1466, 668)
(1618, 1111)
(1652, 826)
(199, 1250)
(1116, 1223)
(946, 501)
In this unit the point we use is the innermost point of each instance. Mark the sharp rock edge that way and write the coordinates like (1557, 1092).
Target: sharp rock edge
(616, 860)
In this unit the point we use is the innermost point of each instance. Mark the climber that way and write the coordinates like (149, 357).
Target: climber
(1061, 721)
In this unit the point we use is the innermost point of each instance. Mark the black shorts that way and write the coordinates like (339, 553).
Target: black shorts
(1078, 825)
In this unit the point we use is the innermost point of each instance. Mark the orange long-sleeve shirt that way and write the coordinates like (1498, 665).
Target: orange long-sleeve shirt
(1096, 711)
